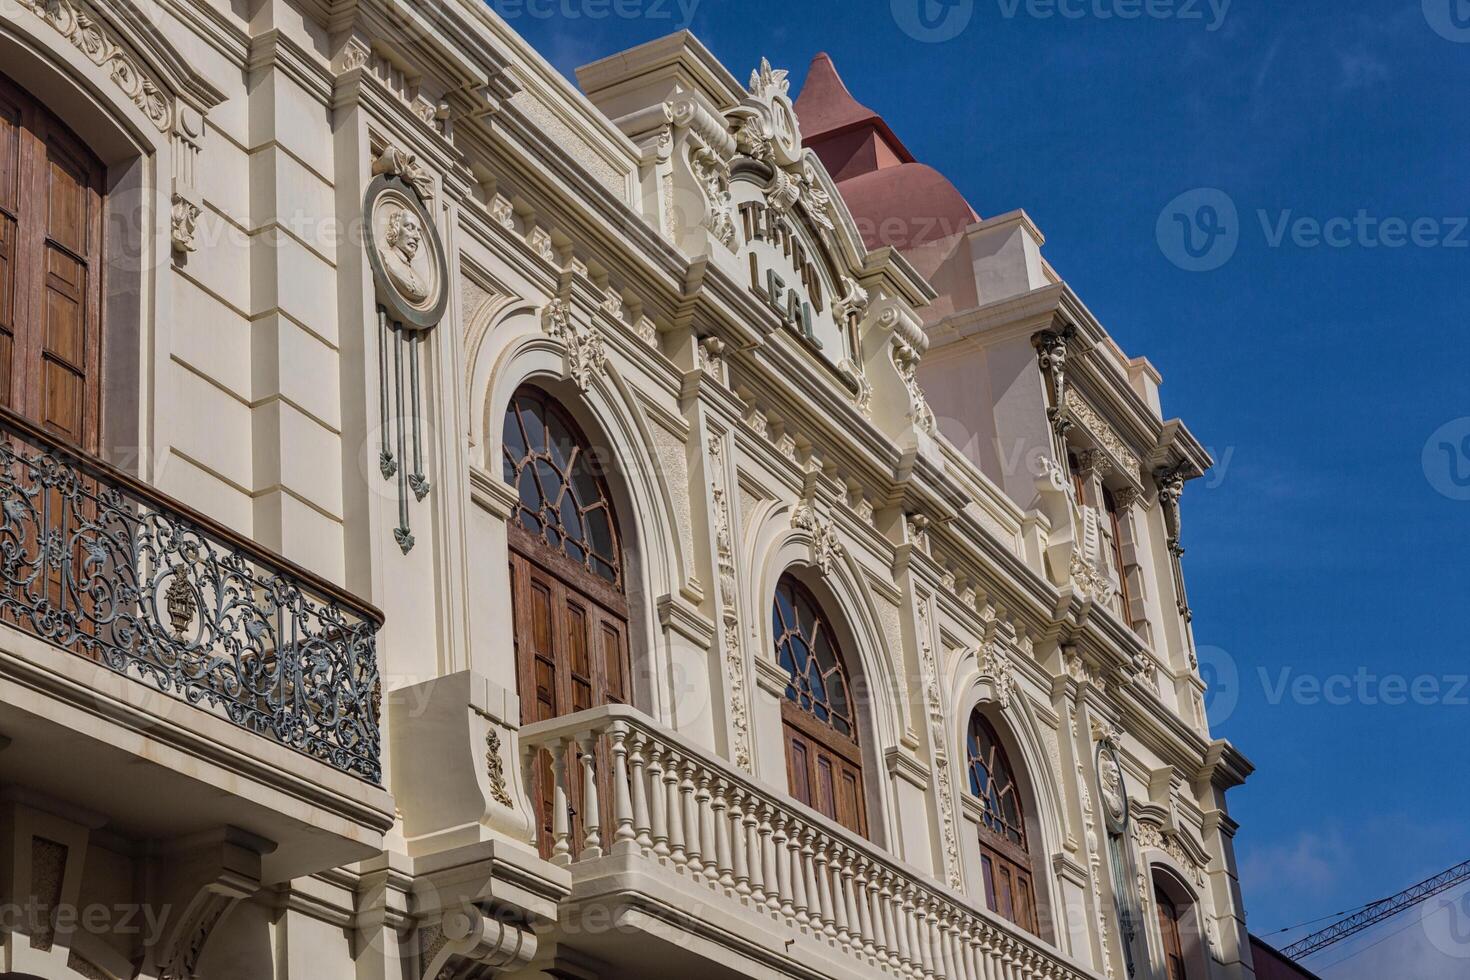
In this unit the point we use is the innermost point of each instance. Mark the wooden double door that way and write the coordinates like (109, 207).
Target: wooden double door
(825, 773)
(51, 203)
(1009, 889)
(571, 636)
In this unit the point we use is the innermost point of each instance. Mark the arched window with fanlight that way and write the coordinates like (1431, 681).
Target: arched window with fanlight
(824, 756)
(567, 577)
(1005, 858)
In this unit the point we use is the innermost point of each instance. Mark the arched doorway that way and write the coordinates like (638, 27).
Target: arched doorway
(1005, 856)
(51, 207)
(1170, 917)
(567, 576)
(824, 757)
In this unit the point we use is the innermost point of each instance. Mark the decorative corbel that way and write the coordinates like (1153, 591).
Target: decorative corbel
(201, 882)
(468, 944)
(1171, 482)
(1051, 347)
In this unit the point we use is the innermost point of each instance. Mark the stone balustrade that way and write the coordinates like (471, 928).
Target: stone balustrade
(686, 809)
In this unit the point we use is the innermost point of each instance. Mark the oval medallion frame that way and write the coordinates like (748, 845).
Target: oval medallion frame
(412, 281)
(1112, 793)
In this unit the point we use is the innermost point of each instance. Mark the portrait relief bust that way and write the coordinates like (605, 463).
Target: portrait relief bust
(402, 240)
(407, 258)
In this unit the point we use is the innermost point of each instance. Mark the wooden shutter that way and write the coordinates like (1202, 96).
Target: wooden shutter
(50, 271)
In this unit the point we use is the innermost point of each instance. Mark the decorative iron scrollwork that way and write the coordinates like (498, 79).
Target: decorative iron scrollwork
(96, 563)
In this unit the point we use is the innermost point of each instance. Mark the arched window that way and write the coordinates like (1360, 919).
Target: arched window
(51, 202)
(567, 578)
(823, 750)
(1005, 859)
(1169, 919)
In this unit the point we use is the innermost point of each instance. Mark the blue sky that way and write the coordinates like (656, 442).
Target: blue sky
(1329, 377)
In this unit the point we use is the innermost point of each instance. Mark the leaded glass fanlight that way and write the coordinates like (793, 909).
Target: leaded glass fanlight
(993, 783)
(806, 648)
(563, 499)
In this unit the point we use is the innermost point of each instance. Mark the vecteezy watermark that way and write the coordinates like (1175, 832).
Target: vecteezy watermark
(1449, 18)
(1199, 230)
(1221, 676)
(1365, 688)
(1445, 920)
(1211, 13)
(1447, 459)
(678, 13)
(932, 21)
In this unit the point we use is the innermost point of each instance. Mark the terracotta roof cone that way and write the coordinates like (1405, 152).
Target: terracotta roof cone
(895, 200)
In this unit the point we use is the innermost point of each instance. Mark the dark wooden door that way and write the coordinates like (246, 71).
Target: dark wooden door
(1169, 929)
(571, 655)
(1009, 890)
(51, 193)
(571, 612)
(51, 202)
(824, 774)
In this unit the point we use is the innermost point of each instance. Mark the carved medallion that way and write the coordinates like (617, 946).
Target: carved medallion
(405, 253)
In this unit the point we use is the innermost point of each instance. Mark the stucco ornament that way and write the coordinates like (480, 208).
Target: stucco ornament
(408, 261)
(766, 124)
(411, 279)
(185, 224)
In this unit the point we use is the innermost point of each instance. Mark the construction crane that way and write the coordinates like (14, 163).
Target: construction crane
(1383, 909)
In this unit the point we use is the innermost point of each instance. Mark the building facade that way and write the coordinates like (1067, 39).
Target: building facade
(456, 525)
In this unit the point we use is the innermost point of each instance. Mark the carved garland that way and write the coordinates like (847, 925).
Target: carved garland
(586, 352)
(87, 35)
(734, 655)
(942, 776)
(495, 768)
(826, 549)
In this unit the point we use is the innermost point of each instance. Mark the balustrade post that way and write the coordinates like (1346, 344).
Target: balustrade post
(892, 939)
(864, 901)
(784, 860)
(674, 800)
(764, 889)
(591, 804)
(659, 810)
(623, 833)
(739, 859)
(708, 844)
(918, 934)
(945, 960)
(643, 836)
(718, 803)
(849, 897)
(836, 855)
(754, 854)
(929, 936)
(820, 860)
(905, 911)
(990, 954)
(809, 880)
(899, 913)
(561, 824)
(693, 841)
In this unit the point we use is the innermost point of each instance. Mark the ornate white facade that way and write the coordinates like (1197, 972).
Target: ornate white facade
(341, 235)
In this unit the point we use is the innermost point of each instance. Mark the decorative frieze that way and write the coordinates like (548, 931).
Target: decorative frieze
(87, 34)
(1124, 459)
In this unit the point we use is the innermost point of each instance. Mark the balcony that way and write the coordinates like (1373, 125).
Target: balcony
(704, 872)
(153, 654)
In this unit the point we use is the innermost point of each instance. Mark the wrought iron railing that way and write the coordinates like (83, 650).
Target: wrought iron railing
(96, 562)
